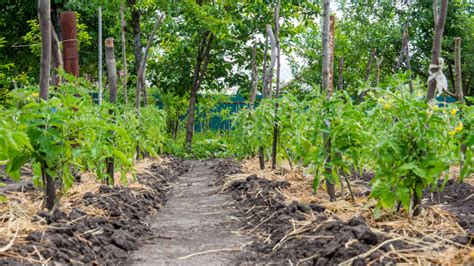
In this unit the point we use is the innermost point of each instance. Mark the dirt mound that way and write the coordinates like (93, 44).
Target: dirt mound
(295, 232)
(225, 168)
(78, 238)
(459, 199)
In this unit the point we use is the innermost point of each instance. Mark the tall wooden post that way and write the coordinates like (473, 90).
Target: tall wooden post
(277, 91)
(69, 34)
(326, 73)
(261, 149)
(112, 74)
(253, 81)
(124, 53)
(100, 55)
(45, 67)
(457, 70)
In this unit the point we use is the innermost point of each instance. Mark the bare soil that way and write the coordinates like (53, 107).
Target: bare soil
(194, 228)
(77, 238)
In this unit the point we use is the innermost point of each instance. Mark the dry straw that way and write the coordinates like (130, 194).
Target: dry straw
(428, 235)
(17, 213)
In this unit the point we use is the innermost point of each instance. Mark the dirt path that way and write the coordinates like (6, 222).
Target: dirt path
(194, 219)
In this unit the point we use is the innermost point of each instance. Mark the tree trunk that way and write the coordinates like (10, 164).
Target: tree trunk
(142, 67)
(439, 20)
(253, 81)
(269, 73)
(56, 58)
(326, 87)
(369, 64)
(112, 74)
(403, 49)
(340, 80)
(277, 91)
(124, 53)
(265, 65)
(405, 54)
(457, 70)
(332, 21)
(202, 61)
(325, 46)
(378, 64)
(45, 67)
(137, 45)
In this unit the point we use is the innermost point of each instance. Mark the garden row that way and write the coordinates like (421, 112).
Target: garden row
(69, 133)
(407, 142)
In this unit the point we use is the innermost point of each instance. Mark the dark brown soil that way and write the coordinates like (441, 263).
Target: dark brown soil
(458, 198)
(76, 238)
(265, 215)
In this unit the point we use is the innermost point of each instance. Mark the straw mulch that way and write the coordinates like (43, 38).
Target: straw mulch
(18, 215)
(428, 235)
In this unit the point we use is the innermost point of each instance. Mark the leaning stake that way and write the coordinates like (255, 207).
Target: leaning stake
(112, 74)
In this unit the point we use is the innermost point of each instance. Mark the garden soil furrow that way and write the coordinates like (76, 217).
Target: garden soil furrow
(194, 228)
(80, 238)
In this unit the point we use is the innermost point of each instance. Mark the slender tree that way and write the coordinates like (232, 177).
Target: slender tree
(457, 68)
(142, 67)
(253, 81)
(124, 53)
(202, 61)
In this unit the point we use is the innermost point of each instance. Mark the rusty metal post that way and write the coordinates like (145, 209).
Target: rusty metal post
(69, 34)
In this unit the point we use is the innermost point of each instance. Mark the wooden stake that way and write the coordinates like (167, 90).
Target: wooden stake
(326, 87)
(45, 28)
(277, 91)
(457, 69)
(45, 67)
(112, 74)
(124, 53)
(253, 82)
(332, 21)
(100, 55)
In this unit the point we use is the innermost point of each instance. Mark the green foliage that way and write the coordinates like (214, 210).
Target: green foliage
(413, 150)
(406, 141)
(69, 133)
(33, 37)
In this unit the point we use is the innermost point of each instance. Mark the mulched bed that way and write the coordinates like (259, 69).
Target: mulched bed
(458, 198)
(297, 233)
(76, 238)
